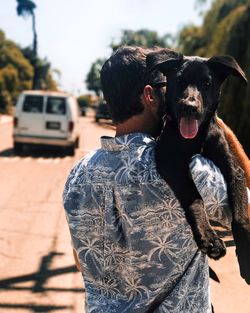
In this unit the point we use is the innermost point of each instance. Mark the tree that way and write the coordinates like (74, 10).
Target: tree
(144, 38)
(42, 71)
(84, 101)
(16, 73)
(93, 77)
(26, 8)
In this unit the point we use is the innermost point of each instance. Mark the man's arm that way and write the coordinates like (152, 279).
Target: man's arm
(213, 189)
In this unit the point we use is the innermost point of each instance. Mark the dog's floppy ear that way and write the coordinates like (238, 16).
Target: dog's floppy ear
(163, 60)
(223, 66)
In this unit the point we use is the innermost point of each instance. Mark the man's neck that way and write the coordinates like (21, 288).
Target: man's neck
(135, 124)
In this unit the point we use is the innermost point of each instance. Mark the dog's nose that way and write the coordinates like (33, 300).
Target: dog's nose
(189, 109)
(191, 99)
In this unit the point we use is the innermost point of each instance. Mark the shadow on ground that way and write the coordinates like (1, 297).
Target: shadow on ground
(35, 308)
(224, 233)
(35, 152)
(39, 282)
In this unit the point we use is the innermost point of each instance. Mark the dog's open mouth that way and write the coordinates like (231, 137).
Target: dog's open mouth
(188, 127)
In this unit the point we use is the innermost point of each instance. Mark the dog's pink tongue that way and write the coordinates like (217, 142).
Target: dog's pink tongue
(188, 128)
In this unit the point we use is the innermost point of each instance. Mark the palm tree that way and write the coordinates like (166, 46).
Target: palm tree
(26, 8)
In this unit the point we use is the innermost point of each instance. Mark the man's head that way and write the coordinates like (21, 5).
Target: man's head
(125, 83)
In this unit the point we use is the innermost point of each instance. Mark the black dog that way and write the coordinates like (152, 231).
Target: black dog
(192, 97)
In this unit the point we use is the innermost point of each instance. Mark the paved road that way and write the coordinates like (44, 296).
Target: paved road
(37, 272)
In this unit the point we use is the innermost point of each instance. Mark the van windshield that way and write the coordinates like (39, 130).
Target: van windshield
(56, 105)
(33, 104)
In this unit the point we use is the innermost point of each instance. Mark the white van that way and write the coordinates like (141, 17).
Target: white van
(46, 118)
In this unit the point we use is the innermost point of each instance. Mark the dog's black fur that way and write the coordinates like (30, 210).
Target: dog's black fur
(193, 93)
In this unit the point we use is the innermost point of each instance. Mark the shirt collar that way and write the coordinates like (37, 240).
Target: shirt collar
(126, 142)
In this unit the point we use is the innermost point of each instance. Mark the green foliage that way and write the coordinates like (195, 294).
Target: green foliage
(25, 7)
(226, 31)
(50, 83)
(191, 38)
(143, 38)
(16, 73)
(10, 53)
(235, 106)
(88, 101)
(42, 71)
(201, 2)
(84, 101)
(93, 77)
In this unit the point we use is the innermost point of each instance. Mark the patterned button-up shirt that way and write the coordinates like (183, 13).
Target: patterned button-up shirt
(131, 236)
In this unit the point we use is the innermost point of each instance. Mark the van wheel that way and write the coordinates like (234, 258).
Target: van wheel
(18, 148)
(71, 150)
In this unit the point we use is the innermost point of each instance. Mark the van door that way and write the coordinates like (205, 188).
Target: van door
(56, 120)
(31, 119)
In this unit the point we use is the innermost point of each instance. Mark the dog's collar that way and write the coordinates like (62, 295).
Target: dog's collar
(166, 118)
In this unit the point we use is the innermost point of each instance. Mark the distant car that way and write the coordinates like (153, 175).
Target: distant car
(46, 118)
(102, 112)
(83, 111)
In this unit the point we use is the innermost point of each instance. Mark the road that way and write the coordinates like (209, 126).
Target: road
(37, 272)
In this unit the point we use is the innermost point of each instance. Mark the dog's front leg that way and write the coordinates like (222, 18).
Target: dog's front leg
(174, 170)
(206, 238)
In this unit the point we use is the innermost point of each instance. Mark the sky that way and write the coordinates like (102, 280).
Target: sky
(73, 34)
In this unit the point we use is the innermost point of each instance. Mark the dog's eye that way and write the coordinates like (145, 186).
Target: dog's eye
(207, 84)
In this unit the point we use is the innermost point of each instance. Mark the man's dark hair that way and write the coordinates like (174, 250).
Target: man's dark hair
(123, 77)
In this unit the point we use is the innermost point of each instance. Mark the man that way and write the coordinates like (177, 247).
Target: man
(134, 246)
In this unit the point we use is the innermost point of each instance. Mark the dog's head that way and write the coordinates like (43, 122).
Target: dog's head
(193, 86)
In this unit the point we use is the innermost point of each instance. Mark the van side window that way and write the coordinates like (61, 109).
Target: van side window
(33, 104)
(56, 106)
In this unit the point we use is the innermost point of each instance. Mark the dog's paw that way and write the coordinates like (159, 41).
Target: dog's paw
(214, 248)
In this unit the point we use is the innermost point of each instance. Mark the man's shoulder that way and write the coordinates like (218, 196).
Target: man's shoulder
(87, 160)
(81, 169)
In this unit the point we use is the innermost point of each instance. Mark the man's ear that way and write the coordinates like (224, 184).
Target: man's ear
(223, 66)
(149, 97)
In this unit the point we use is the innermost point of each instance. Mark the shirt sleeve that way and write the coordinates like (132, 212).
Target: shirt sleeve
(71, 179)
(213, 189)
